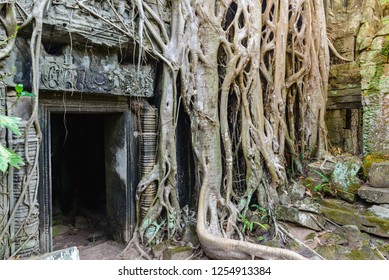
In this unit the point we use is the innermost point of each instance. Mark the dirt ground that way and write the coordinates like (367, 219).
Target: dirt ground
(88, 235)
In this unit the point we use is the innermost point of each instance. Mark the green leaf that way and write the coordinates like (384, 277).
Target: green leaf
(261, 225)
(26, 93)
(318, 188)
(8, 157)
(324, 177)
(258, 207)
(11, 123)
(19, 88)
(244, 227)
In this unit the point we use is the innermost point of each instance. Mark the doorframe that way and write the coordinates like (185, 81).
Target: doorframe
(83, 104)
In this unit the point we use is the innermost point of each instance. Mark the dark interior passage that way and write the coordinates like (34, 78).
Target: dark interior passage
(78, 176)
(78, 168)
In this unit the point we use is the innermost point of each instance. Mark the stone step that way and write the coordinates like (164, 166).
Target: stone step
(375, 195)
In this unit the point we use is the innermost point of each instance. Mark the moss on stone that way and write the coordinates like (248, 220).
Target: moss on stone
(346, 214)
(371, 158)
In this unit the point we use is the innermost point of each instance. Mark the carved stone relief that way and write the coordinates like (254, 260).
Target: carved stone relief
(101, 73)
(88, 70)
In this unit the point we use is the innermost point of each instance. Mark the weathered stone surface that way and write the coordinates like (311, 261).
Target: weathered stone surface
(380, 211)
(317, 169)
(178, 253)
(297, 192)
(346, 243)
(379, 174)
(375, 88)
(308, 205)
(345, 172)
(71, 253)
(345, 182)
(375, 195)
(74, 69)
(344, 213)
(294, 215)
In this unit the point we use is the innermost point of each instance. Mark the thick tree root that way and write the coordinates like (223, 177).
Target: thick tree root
(222, 248)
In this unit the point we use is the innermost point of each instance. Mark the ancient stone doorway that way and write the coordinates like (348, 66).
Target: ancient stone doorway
(78, 178)
(88, 166)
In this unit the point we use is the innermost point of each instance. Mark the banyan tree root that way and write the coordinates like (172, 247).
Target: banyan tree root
(252, 77)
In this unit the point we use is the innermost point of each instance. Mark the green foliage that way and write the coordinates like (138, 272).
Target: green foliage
(20, 92)
(326, 182)
(249, 225)
(10, 122)
(7, 156)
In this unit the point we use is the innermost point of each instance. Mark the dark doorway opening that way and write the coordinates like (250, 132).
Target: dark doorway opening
(78, 179)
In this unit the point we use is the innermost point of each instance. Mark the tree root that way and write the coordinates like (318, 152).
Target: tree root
(133, 244)
(222, 248)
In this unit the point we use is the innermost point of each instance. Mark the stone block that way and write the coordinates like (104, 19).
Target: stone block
(380, 211)
(375, 195)
(297, 192)
(303, 218)
(346, 243)
(344, 213)
(71, 253)
(379, 175)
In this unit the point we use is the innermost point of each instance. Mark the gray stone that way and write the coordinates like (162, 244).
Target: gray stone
(297, 192)
(380, 211)
(346, 243)
(345, 174)
(379, 175)
(305, 219)
(308, 205)
(318, 167)
(285, 199)
(71, 253)
(344, 213)
(375, 195)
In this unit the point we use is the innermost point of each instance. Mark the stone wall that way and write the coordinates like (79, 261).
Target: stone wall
(374, 63)
(358, 100)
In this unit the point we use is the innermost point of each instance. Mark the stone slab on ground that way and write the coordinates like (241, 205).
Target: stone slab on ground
(375, 195)
(344, 213)
(379, 175)
(71, 253)
(303, 218)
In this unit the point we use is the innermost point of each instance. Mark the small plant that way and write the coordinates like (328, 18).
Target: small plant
(326, 182)
(248, 226)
